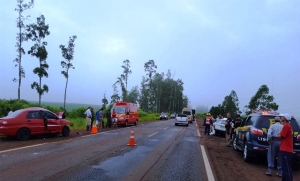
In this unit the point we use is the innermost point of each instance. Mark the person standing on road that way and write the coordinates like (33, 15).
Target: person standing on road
(101, 117)
(235, 124)
(88, 115)
(93, 117)
(274, 145)
(108, 117)
(114, 116)
(286, 147)
(228, 129)
(207, 123)
(98, 121)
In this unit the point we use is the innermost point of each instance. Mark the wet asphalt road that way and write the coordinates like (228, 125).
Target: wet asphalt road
(163, 152)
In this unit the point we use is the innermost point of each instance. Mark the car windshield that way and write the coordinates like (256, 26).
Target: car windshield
(14, 114)
(119, 110)
(186, 112)
(163, 114)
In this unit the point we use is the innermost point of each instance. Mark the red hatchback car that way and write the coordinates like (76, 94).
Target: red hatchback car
(34, 121)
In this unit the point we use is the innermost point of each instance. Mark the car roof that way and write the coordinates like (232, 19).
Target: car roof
(33, 108)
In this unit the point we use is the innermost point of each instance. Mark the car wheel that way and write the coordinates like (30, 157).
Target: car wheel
(187, 125)
(65, 131)
(246, 156)
(234, 146)
(135, 122)
(23, 134)
(126, 124)
(160, 118)
(175, 124)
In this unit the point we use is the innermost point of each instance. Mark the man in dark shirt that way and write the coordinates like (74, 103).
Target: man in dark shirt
(228, 129)
(235, 124)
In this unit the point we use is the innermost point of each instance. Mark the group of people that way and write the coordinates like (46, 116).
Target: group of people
(90, 118)
(280, 141)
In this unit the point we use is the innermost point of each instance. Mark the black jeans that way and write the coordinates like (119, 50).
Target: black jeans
(207, 129)
(286, 162)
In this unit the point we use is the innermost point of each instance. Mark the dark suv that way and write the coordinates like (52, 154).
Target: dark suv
(253, 140)
(163, 116)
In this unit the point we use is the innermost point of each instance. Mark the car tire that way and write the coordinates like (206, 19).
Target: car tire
(246, 156)
(136, 122)
(187, 125)
(23, 134)
(175, 124)
(234, 144)
(65, 131)
(126, 124)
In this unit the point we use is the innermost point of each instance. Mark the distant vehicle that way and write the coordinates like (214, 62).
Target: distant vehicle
(189, 113)
(219, 126)
(181, 119)
(173, 116)
(253, 140)
(194, 114)
(163, 116)
(127, 113)
(34, 121)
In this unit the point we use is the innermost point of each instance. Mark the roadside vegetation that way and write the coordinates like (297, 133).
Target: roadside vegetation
(76, 115)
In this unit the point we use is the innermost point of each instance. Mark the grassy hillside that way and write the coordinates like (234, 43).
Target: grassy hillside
(69, 106)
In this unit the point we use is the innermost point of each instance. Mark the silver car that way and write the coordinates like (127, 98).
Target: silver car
(219, 126)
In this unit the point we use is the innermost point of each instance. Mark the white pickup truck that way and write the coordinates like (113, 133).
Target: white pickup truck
(181, 119)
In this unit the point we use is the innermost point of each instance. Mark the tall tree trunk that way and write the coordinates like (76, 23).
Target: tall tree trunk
(40, 89)
(65, 97)
(20, 57)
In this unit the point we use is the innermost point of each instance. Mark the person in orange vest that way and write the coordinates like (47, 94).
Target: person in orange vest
(114, 118)
(207, 122)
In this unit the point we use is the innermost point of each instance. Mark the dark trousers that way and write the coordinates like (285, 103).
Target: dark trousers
(207, 129)
(286, 161)
(92, 121)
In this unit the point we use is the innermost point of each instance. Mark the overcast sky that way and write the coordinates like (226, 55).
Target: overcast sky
(213, 46)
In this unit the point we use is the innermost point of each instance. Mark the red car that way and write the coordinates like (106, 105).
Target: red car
(34, 121)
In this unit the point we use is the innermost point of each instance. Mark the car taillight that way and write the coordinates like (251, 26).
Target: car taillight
(257, 131)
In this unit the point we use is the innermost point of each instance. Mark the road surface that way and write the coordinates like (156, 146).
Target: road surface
(163, 152)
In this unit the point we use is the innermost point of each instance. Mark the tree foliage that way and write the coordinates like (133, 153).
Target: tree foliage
(68, 55)
(104, 102)
(133, 95)
(231, 104)
(262, 100)
(21, 37)
(36, 33)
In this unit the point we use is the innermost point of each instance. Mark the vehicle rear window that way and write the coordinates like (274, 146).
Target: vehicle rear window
(14, 114)
(186, 112)
(181, 115)
(250, 121)
(264, 122)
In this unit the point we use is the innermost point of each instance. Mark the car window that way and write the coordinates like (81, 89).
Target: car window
(50, 115)
(264, 121)
(181, 115)
(186, 112)
(14, 114)
(33, 115)
(250, 120)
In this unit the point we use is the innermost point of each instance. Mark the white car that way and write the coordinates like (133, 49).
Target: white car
(181, 119)
(219, 126)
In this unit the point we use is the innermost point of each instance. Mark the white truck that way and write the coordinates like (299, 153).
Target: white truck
(189, 113)
(181, 119)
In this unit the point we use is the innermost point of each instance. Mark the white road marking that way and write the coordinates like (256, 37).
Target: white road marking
(209, 173)
(166, 128)
(198, 132)
(4, 151)
(152, 134)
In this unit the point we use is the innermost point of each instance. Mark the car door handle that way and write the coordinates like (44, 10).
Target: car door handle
(28, 121)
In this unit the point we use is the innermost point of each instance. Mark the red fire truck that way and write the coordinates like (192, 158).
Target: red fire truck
(127, 113)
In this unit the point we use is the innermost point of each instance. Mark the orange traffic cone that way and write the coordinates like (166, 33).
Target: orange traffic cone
(94, 129)
(131, 139)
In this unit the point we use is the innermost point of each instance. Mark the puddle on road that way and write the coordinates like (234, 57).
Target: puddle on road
(118, 166)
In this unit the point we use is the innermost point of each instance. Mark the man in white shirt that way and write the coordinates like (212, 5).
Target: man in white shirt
(88, 115)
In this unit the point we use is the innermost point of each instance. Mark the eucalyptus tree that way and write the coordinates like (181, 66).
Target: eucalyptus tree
(104, 102)
(115, 97)
(36, 33)
(68, 54)
(262, 100)
(144, 94)
(231, 104)
(133, 95)
(126, 72)
(150, 69)
(21, 37)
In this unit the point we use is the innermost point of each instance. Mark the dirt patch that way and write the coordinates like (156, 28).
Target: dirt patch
(228, 165)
